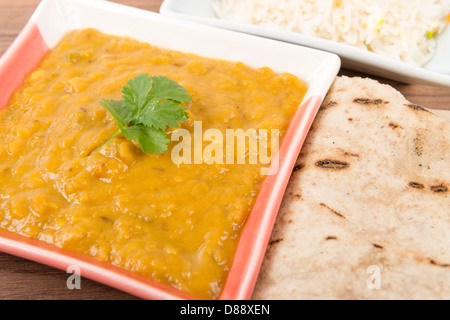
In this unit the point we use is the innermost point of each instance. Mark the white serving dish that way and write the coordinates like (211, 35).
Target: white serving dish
(436, 72)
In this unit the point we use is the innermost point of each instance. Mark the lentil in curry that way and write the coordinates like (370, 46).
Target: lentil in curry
(176, 224)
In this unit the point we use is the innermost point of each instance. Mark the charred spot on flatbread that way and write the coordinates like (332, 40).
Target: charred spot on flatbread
(328, 105)
(434, 263)
(272, 242)
(350, 154)
(416, 185)
(395, 125)
(439, 189)
(416, 107)
(418, 145)
(333, 211)
(332, 164)
(368, 101)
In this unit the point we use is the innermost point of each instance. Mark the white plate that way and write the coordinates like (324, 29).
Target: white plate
(437, 72)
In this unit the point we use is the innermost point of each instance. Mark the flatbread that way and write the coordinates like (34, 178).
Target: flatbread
(367, 212)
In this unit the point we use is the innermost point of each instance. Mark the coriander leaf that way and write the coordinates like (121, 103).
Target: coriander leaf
(163, 108)
(135, 93)
(164, 88)
(119, 111)
(160, 115)
(150, 105)
(151, 140)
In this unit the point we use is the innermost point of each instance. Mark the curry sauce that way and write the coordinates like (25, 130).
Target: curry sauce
(176, 224)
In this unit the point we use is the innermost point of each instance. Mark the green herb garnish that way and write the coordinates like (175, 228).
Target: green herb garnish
(148, 107)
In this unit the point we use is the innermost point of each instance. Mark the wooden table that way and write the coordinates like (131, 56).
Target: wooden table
(22, 279)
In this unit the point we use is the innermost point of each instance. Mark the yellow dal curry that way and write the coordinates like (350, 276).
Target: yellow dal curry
(175, 224)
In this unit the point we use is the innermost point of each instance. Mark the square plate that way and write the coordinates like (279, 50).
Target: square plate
(53, 18)
(436, 72)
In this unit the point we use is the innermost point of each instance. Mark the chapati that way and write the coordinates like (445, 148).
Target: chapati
(367, 212)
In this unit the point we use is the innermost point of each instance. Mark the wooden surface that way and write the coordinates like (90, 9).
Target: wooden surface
(21, 279)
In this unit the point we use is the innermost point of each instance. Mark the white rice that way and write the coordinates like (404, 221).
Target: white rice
(402, 29)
